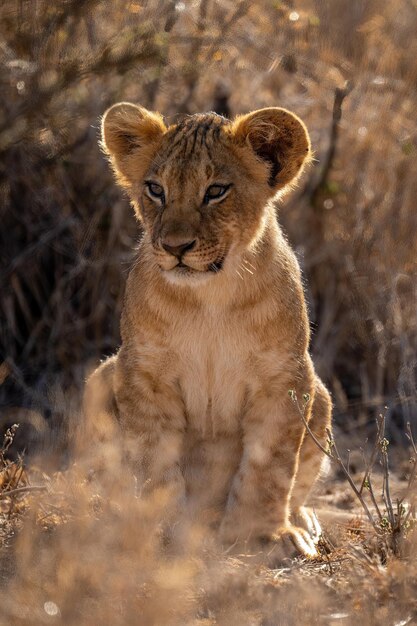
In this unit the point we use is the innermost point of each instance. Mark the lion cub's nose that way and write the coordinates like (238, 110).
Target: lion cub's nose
(177, 246)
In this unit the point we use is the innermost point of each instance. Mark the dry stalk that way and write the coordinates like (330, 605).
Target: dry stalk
(318, 185)
(391, 521)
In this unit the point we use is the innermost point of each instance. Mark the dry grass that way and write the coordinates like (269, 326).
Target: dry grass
(77, 553)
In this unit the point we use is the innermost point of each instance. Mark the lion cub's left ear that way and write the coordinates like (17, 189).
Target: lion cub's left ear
(279, 138)
(130, 136)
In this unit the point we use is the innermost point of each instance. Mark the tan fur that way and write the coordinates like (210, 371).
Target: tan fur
(210, 349)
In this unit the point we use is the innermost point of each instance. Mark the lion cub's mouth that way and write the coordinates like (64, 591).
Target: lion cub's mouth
(183, 271)
(214, 267)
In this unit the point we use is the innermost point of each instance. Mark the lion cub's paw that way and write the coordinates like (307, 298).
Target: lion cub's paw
(305, 518)
(289, 542)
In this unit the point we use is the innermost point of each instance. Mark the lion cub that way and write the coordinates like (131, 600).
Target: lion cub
(214, 328)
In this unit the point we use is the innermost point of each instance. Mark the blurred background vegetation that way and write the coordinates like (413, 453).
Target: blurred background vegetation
(68, 235)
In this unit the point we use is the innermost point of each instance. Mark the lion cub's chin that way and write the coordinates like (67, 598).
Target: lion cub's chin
(187, 276)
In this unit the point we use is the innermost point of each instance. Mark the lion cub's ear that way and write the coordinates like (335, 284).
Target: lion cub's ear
(130, 136)
(279, 138)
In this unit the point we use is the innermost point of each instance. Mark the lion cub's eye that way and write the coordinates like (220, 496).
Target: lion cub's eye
(215, 191)
(155, 190)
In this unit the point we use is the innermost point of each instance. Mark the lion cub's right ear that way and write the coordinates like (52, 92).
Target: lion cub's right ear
(130, 136)
(279, 139)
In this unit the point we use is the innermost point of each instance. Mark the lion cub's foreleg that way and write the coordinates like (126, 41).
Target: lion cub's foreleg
(153, 422)
(258, 507)
(132, 416)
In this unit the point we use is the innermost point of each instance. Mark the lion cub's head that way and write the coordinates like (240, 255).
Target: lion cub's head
(201, 187)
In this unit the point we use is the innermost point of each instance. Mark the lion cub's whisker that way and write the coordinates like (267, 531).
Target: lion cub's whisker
(250, 264)
(246, 269)
(239, 274)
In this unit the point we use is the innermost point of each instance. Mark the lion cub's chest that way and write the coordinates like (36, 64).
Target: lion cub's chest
(214, 368)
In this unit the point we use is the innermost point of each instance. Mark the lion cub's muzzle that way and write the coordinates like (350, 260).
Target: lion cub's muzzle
(182, 252)
(177, 246)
